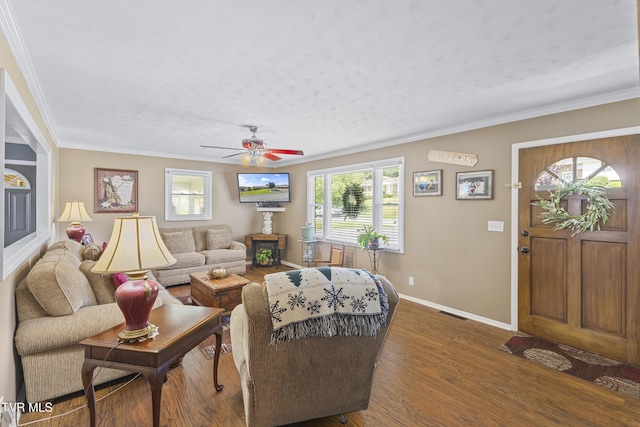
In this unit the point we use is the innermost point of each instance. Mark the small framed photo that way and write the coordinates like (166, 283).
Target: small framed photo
(474, 185)
(86, 239)
(427, 183)
(116, 191)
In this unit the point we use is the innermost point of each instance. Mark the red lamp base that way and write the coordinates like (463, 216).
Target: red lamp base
(135, 299)
(75, 231)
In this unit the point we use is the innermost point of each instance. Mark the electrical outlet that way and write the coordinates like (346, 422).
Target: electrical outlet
(496, 226)
(410, 281)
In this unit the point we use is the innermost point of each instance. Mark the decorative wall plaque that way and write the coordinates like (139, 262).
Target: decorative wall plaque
(463, 159)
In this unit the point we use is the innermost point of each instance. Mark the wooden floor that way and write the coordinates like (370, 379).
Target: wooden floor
(434, 370)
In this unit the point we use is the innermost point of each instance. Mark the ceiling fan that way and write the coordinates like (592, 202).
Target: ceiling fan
(256, 151)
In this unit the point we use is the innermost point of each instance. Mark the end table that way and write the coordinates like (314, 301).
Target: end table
(180, 329)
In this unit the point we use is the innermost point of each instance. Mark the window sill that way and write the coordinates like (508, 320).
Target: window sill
(20, 252)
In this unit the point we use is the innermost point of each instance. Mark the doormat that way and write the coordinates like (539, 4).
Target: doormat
(208, 346)
(614, 375)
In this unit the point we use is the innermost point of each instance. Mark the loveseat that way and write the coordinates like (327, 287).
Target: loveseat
(59, 303)
(297, 379)
(198, 249)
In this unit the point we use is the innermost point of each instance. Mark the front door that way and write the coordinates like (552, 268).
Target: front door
(582, 290)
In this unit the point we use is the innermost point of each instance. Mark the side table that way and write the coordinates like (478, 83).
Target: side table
(308, 249)
(374, 258)
(180, 328)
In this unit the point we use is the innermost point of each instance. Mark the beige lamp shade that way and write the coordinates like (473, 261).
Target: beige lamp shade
(135, 246)
(74, 212)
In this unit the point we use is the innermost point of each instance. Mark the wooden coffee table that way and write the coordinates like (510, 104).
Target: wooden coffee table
(224, 293)
(180, 328)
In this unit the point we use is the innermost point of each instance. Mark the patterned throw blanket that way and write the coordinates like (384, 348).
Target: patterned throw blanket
(325, 302)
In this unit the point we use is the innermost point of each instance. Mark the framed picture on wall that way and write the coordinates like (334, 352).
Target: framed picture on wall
(427, 183)
(116, 190)
(474, 185)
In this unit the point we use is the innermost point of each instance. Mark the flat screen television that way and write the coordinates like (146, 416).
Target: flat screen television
(264, 189)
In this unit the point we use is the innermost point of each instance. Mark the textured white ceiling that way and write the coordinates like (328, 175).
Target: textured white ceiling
(327, 76)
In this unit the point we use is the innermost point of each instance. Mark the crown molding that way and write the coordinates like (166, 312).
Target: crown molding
(594, 101)
(17, 46)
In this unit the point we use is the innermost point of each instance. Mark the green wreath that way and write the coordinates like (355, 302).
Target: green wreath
(597, 211)
(352, 201)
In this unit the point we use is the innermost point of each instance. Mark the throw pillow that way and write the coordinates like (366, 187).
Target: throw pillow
(92, 252)
(100, 283)
(179, 242)
(58, 285)
(118, 279)
(218, 239)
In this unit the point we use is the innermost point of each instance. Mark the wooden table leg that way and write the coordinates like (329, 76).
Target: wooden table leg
(216, 358)
(156, 380)
(87, 382)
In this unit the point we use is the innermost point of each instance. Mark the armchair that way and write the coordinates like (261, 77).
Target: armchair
(301, 379)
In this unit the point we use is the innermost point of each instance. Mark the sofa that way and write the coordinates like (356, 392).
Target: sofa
(301, 379)
(198, 249)
(59, 303)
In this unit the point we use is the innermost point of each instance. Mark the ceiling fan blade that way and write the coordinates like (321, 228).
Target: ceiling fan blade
(283, 151)
(232, 155)
(221, 148)
(270, 156)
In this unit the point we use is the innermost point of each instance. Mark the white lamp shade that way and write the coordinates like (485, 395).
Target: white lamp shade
(135, 245)
(74, 212)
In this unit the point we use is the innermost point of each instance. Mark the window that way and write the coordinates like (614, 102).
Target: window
(15, 180)
(341, 201)
(564, 171)
(187, 195)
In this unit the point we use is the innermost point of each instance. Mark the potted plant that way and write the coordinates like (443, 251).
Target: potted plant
(263, 256)
(370, 238)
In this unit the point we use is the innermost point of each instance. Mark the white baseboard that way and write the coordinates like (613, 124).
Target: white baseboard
(460, 313)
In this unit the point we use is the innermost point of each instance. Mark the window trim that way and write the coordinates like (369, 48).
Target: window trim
(16, 254)
(377, 198)
(168, 187)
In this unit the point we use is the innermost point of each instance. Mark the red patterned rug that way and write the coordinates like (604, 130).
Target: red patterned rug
(605, 372)
(208, 346)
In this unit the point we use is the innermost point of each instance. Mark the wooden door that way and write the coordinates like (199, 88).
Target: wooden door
(582, 290)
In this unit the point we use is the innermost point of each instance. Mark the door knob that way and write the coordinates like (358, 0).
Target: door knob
(524, 250)
(525, 233)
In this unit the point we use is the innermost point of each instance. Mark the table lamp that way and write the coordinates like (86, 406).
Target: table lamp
(135, 247)
(75, 213)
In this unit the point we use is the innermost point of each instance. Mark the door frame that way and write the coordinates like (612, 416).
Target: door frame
(515, 172)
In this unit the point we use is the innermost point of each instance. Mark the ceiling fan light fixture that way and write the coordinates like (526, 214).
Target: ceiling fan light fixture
(261, 160)
(245, 159)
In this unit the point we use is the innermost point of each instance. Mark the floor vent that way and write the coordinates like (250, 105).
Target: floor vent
(453, 315)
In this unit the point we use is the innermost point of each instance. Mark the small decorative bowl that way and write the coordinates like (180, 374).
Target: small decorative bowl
(218, 273)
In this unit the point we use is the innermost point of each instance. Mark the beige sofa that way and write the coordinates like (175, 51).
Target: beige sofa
(198, 249)
(60, 303)
(293, 381)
